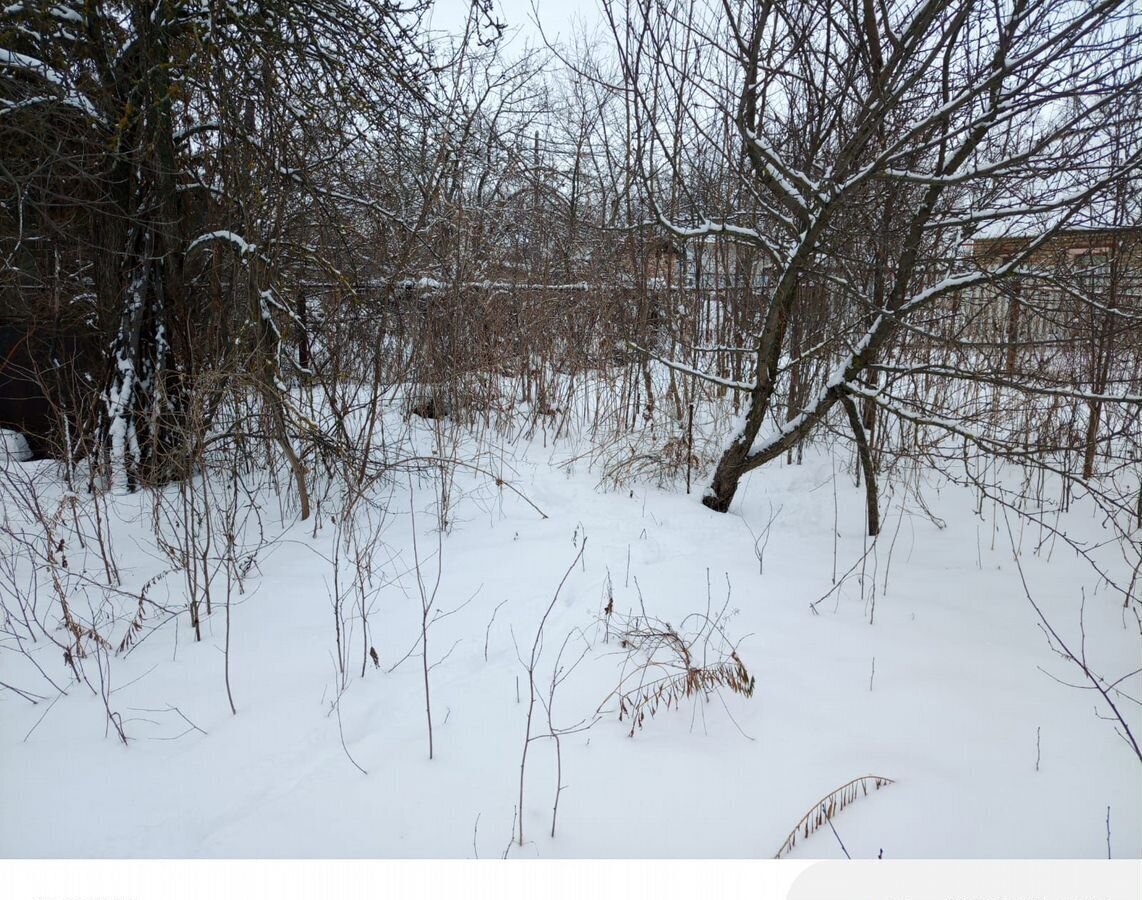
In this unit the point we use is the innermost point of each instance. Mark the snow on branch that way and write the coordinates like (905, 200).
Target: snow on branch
(794, 185)
(10, 59)
(697, 373)
(243, 247)
(986, 378)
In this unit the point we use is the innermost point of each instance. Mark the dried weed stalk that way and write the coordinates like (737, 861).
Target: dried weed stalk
(822, 812)
(665, 665)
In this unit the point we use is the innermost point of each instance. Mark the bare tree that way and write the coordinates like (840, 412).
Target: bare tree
(199, 143)
(878, 138)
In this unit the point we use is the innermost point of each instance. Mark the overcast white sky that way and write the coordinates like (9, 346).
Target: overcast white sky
(558, 17)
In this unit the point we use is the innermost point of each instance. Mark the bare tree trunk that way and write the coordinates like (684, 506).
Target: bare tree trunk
(864, 454)
(795, 388)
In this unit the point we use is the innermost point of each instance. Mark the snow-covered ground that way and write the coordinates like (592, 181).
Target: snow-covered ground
(925, 664)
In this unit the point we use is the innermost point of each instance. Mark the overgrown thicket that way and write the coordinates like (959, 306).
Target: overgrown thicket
(234, 234)
(865, 154)
(171, 174)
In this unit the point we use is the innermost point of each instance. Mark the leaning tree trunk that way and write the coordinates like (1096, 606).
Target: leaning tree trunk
(724, 485)
(864, 455)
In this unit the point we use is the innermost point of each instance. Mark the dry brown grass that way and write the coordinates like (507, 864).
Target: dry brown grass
(822, 812)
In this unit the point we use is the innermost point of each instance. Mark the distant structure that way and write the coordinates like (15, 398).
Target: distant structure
(721, 261)
(1065, 288)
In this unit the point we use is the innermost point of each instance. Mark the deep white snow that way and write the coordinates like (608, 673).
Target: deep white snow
(925, 665)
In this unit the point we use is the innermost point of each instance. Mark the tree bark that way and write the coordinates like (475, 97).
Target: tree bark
(731, 467)
(864, 454)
